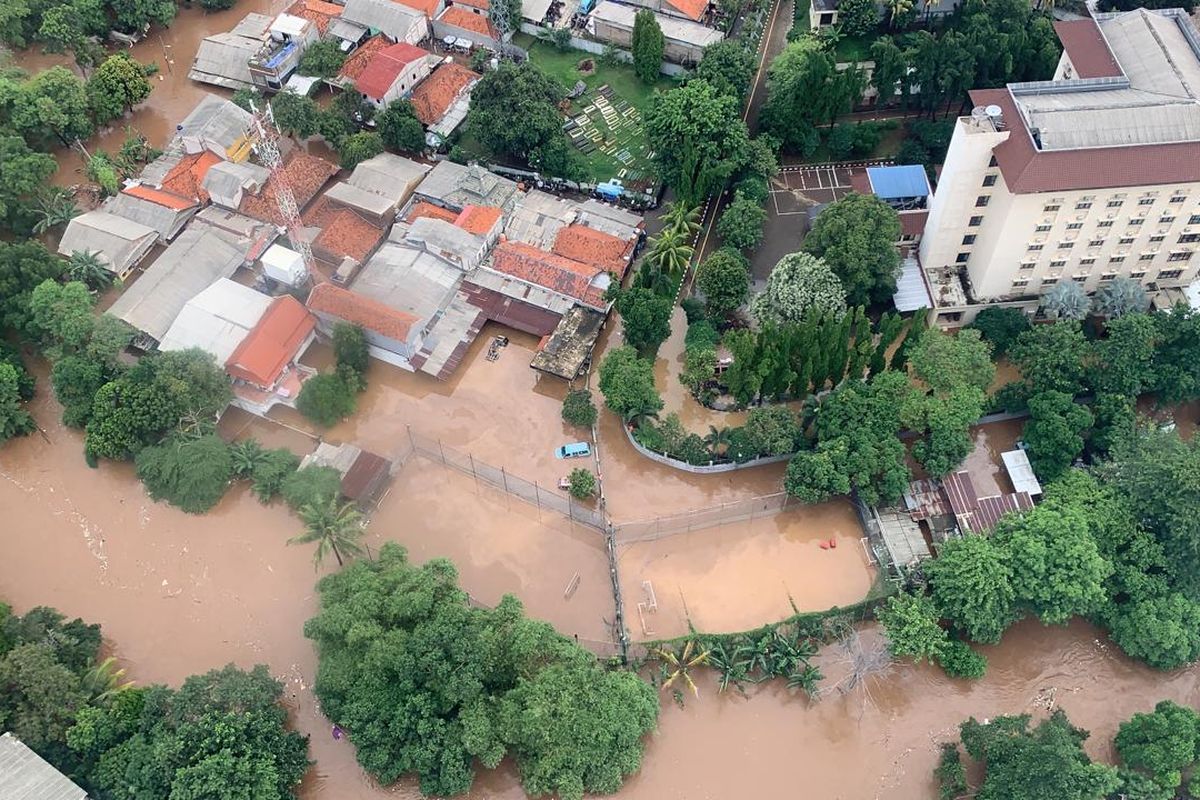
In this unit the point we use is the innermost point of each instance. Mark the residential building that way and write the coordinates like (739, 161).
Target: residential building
(694, 10)
(395, 21)
(120, 243)
(217, 125)
(364, 50)
(446, 240)
(24, 775)
(164, 212)
(344, 231)
(582, 282)
(223, 59)
(305, 173)
(824, 13)
(217, 319)
(364, 474)
(465, 22)
(288, 37)
(229, 182)
(685, 41)
(319, 12)
(456, 186)
(442, 101)
(540, 217)
(1085, 178)
(390, 177)
(393, 73)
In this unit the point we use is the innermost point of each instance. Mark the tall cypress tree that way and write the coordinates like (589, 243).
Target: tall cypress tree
(648, 45)
(861, 349)
(890, 326)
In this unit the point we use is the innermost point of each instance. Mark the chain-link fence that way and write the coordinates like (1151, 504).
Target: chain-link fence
(701, 518)
(550, 499)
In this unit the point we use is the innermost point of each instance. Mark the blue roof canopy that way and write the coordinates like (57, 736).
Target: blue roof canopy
(895, 183)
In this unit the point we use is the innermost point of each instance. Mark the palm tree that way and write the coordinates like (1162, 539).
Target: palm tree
(669, 253)
(1066, 300)
(635, 417)
(682, 219)
(718, 438)
(247, 455)
(1121, 296)
(334, 527)
(87, 267)
(56, 208)
(897, 9)
(103, 682)
(679, 666)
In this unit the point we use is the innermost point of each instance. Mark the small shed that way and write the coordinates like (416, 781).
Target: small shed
(121, 243)
(364, 474)
(564, 352)
(24, 775)
(285, 265)
(1020, 472)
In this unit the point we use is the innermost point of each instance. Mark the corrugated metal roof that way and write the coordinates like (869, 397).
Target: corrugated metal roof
(457, 186)
(409, 280)
(349, 195)
(24, 775)
(217, 320)
(389, 175)
(166, 221)
(911, 291)
(1020, 472)
(899, 182)
(391, 18)
(120, 242)
(223, 59)
(673, 28)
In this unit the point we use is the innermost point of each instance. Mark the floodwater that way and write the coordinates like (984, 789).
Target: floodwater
(984, 462)
(739, 576)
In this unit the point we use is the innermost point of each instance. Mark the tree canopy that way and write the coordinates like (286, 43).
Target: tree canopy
(645, 318)
(627, 383)
(724, 279)
(698, 138)
(798, 285)
(805, 90)
(647, 45)
(856, 236)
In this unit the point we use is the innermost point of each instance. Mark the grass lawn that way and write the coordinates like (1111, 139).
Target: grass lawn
(627, 136)
(855, 48)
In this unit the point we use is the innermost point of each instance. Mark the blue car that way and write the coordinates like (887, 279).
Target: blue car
(576, 450)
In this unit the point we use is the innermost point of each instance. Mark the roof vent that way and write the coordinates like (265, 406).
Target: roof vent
(995, 115)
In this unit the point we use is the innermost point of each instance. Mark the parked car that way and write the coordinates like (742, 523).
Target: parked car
(576, 450)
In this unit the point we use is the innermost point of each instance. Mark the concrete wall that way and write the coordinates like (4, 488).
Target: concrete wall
(702, 469)
(598, 48)
(1026, 243)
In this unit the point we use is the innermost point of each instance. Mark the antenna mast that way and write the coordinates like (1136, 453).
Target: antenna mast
(266, 143)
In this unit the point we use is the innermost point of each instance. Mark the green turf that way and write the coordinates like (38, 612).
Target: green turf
(563, 65)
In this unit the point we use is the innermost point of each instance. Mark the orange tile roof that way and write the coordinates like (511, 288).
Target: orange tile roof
(591, 246)
(386, 68)
(423, 209)
(478, 220)
(343, 231)
(694, 9)
(351, 307)
(305, 173)
(434, 95)
(558, 273)
(158, 197)
(272, 343)
(468, 21)
(427, 7)
(317, 12)
(360, 58)
(482, 5)
(187, 177)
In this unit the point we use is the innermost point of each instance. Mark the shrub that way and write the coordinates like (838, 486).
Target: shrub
(701, 336)
(960, 661)
(693, 309)
(578, 409)
(312, 485)
(350, 347)
(271, 470)
(191, 474)
(327, 399)
(583, 483)
(246, 455)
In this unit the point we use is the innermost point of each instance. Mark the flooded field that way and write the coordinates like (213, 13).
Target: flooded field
(741, 575)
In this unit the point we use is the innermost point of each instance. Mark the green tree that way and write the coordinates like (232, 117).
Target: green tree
(1162, 743)
(816, 475)
(1066, 300)
(741, 223)
(647, 46)
(699, 367)
(61, 317)
(1121, 296)
(88, 268)
(245, 456)
(191, 474)
(698, 138)
(665, 262)
(1052, 357)
(645, 319)
(39, 695)
(912, 626)
(52, 108)
(399, 127)
(728, 66)
(514, 112)
(799, 285)
(117, 85)
(335, 527)
(890, 75)
(582, 483)
(856, 236)
(1177, 370)
(945, 419)
(772, 430)
(358, 147)
(805, 90)
(14, 419)
(312, 486)
(322, 59)
(1054, 432)
(10, 355)
(269, 470)
(858, 17)
(1162, 631)
(134, 15)
(1124, 358)
(972, 582)
(350, 347)
(1047, 761)
(1000, 327)
(76, 379)
(578, 409)
(23, 173)
(296, 114)
(724, 279)
(945, 363)
(327, 399)
(627, 383)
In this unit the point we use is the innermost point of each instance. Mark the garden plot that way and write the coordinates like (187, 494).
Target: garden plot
(609, 126)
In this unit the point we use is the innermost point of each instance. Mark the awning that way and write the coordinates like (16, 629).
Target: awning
(911, 291)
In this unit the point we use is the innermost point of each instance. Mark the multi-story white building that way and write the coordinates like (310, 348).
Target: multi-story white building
(1089, 176)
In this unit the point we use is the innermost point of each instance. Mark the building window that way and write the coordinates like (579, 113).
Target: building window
(1058, 263)
(1157, 238)
(1178, 198)
(969, 239)
(1125, 240)
(1115, 203)
(989, 180)
(1082, 206)
(1065, 245)
(1104, 223)
(1167, 274)
(1189, 237)
(1028, 264)
(1147, 256)
(975, 222)
(961, 258)
(1108, 276)
(1049, 281)
(1079, 278)
(1185, 255)
(1137, 275)
(1136, 221)
(982, 201)
(1086, 262)
(1096, 243)
(1020, 283)
(1035, 247)
(1166, 219)
(1052, 208)
(1116, 259)
(1074, 226)
(1041, 228)
(992, 161)
(1146, 201)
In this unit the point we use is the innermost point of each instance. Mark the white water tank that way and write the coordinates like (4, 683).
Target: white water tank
(284, 265)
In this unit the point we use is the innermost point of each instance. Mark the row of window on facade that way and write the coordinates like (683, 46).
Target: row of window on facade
(1166, 274)
(1176, 256)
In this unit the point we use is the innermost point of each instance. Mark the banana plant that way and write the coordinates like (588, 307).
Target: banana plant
(680, 666)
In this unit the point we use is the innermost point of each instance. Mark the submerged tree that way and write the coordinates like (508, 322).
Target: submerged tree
(335, 527)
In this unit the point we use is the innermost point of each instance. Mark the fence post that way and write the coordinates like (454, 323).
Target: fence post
(442, 450)
(473, 474)
(504, 476)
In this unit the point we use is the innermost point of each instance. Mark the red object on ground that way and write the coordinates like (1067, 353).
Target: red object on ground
(824, 545)
(833, 544)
